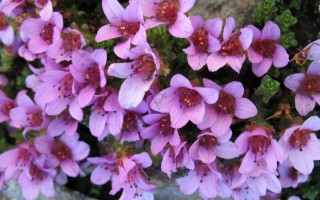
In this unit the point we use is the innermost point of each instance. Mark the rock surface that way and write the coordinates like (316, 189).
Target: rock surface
(241, 10)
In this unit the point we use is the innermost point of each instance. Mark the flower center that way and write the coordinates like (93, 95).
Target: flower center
(127, 29)
(293, 174)
(232, 47)
(145, 67)
(299, 138)
(7, 107)
(3, 21)
(92, 75)
(167, 11)
(47, 33)
(37, 174)
(310, 84)
(259, 144)
(130, 123)
(165, 126)
(208, 141)
(200, 39)
(35, 118)
(189, 97)
(64, 86)
(61, 151)
(24, 156)
(42, 2)
(71, 41)
(225, 103)
(266, 48)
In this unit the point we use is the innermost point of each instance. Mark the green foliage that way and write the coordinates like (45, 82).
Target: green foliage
(268, 87)
(279, 12)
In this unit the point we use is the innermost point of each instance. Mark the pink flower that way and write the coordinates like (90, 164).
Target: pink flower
(27, 114)
(208, 146)
(132, 178)
(139, 74)
(171, 13)
(306, 86)
(8, 6)
(65, 152)
(6, 104)
(127, 23)
(159, 132)
(312, 51)
(6, 30)
(203, 41)
(176, 157)
(35, 178)
(230, 103)
(46, 8)
(17, 160)
(106, 168)
(57, 91)
(3, 81)
(232, 48)
(265, 50)
(64, 123)
(88, 69)
(183, 101)
(262, 151)
(69, 41)
(107, 115)
(41, 34)
(206, 178)
(132, 124)
(301, 145)
(289, 176)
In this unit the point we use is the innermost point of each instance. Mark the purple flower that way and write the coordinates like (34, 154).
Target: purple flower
(65, 152)
(230, 103)
(106, 168)
(41, 34)
(208, 146)
(312, 51)
(46, 8)
(58, 92)
(265, 50)
(262, 151)
(27, 114)
(3, 81)
(176, 157)
(160, 132)
(126, 23)
(203, 41)
(6, 104)
(107, 115)
(14, 161)
(232, 48)
(132, 178)
(289, 176)
(7, 6)
(307, 88)
(301, 145)
(139, 74)
(183, 101)
(6, 30)
(171, 13)
(132, 124)
(69, 41)
(88, 69)
(64, 123)
(206, 178)
(37, 178)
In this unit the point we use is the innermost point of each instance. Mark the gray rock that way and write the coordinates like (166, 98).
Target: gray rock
(241, 10)
(12, 191)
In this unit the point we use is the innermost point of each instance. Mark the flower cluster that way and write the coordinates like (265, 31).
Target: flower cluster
(77, 82)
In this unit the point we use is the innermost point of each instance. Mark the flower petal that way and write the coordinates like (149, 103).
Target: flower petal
(301, 161)
(270, 31)
(280, 57)
(234, 88)
(107, 32)
(113, 10)
(245, 108)
(182, 27)
(293, 81)
(304, 104)
(215, 62)
(261, 68)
